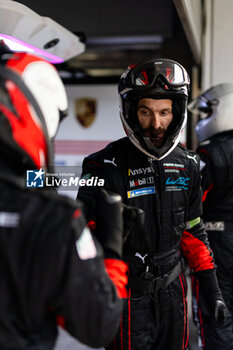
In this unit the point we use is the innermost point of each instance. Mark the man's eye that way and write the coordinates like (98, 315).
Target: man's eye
(164, 113)
(144, 112)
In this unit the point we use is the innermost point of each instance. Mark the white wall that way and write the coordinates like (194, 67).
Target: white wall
(218, 43)
(190, 13)
(209, 31)
(74, 141)
(222, 41)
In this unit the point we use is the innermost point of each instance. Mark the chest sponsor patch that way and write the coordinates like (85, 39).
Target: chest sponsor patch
(141, 192)
(173, 167)
(139, 171)
(178, 184)
(140, 182)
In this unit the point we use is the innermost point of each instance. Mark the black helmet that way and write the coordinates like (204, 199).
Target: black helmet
(32, 101)
(160, 79)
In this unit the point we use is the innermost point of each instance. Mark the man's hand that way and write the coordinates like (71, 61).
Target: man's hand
(212, 296)
(220, 313)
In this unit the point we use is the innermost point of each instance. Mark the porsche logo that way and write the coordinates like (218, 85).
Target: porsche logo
(85, 110)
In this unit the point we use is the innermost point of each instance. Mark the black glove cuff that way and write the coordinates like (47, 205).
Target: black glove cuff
(209, 284)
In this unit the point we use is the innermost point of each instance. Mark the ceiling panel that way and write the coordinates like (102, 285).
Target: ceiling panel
(116, 33)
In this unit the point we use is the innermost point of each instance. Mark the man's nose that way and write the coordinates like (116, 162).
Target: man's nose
(156, 121)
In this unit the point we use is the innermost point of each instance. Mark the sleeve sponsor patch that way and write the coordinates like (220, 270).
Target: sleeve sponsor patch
(85, 245)
(190, 224)
(202, 165)
(9, 219)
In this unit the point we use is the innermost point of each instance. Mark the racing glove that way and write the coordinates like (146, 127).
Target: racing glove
(113, 216)
(209, 288)
(133, 219)
(109, 223)
(109, 232)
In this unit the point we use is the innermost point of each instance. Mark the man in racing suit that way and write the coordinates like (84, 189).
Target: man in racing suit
(52, 270)
(151, 171)
(215, 133)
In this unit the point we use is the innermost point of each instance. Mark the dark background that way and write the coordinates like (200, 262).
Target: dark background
(117, 33)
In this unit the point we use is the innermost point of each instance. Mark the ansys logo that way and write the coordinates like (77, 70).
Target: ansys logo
(35, 178)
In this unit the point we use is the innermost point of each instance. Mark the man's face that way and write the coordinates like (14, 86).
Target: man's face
(154, 117)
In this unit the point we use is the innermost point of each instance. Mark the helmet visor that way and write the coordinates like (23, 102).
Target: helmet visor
(146, 74)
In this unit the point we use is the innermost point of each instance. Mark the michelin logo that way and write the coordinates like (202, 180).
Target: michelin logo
(35, 178)
(141, 192)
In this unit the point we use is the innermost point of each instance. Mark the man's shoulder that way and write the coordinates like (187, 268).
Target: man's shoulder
(183, 150)
(113, 150)
(50, 202)
(41, 209)
(187, 154)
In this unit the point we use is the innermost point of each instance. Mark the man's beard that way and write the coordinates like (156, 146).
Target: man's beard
(156, 135)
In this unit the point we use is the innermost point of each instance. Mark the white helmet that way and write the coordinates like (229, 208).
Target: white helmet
(215, 106)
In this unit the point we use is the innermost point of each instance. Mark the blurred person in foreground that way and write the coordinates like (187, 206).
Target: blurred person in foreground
(215, 133)
(52, 269)
(153, 172)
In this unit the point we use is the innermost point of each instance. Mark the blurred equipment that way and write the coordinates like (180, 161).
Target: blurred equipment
(215, 109)
(24, 30)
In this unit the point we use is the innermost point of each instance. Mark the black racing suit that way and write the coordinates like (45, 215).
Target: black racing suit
(51, 272)
(217, 183)
(155, 316)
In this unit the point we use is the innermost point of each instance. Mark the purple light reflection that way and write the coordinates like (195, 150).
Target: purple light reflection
(11, 41)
